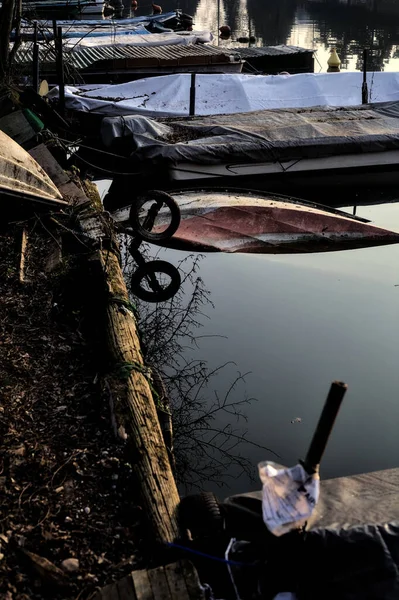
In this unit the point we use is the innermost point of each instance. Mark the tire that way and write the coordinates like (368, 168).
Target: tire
(174, 213)
(149, 270)
(201, 515)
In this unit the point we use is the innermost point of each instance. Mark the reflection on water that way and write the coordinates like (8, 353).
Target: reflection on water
(297, 322)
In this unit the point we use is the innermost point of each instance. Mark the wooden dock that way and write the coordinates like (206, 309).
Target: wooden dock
(176, 581)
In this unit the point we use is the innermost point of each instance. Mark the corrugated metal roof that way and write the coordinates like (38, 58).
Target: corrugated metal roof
(86, 57)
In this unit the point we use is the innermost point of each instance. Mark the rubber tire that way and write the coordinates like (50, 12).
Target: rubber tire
(156, 266)
(174, 212)
(201, 514)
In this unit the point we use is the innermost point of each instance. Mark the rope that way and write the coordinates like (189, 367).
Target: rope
(233, 563)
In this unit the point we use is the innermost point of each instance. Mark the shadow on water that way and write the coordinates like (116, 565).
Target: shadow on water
(208, 423)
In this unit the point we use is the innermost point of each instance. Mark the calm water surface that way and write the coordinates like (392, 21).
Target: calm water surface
(350, 25)
(299, 322)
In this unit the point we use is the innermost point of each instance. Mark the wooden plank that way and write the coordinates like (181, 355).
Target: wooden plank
(109, 592)
(135, 411)
(24, 245)
(176, 582)
(159, 584)
(47, 161)
(126, 589)
(142, 585)
(54, 258)
(192, 580)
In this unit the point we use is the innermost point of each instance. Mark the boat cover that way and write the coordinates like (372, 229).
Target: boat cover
(70, 24)
(257, 137)
(152, 39)
(349, 552)
(169, 96)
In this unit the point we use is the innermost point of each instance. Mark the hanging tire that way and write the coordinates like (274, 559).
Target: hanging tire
(140, 228)
(149, 271)
(201, 514)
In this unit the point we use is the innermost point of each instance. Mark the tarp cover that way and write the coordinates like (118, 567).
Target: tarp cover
(261, 136)
(351, 549)
(169, 96)
(153, 39)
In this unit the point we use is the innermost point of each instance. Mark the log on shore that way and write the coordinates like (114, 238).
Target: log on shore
(134, 408)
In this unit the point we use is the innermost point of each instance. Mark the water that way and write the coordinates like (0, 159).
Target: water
(297, 322)
(350, 25)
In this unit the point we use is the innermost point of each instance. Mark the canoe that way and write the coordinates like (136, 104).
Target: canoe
(235, 221)
(21, 176)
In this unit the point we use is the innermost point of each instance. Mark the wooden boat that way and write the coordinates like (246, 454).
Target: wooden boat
(238, 221)
(22, 177)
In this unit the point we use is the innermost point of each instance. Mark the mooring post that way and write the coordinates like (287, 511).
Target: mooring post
(192, 95)
(35, 62)
(60, 70)
(365, 93)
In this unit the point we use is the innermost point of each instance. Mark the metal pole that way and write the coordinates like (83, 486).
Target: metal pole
(192, 95)
(54, 30)
(218, 21)
(324, 426)
(365, 93)
(60, 70)
(35, 62)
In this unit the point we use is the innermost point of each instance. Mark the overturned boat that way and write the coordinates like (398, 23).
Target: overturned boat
(239, 221)
(22, 178)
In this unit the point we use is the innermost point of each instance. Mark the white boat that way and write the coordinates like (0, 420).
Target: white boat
(313, 146)
(22, 177)
(169, 96)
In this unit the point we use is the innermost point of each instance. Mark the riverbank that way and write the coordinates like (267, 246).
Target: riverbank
(65, 484)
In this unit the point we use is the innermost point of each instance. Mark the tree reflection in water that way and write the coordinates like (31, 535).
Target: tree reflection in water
(209, 427)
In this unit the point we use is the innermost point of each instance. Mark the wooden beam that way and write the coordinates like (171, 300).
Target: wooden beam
(134, 409)
(22, 260)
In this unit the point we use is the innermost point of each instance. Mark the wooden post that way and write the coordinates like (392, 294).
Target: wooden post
(35, 62)
(324, 426)
(6, 19)
(192, 95)
(365, 93)
(24, 245)
(135, 411)
(60, 70)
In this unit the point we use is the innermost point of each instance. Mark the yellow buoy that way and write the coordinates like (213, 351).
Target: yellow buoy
(334, 61)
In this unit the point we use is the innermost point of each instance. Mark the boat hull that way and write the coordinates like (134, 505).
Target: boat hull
(21, 176)
(232, 222)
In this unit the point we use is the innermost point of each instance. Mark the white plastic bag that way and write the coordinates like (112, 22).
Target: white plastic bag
(289, 496)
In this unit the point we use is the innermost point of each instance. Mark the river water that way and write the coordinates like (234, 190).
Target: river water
(297, 322)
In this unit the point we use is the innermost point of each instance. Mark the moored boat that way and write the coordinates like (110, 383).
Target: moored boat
(22, 177)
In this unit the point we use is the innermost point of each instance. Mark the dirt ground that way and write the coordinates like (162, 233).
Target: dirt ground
(65, 489)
